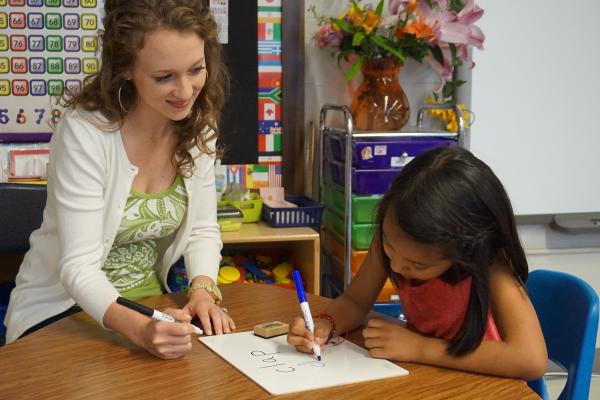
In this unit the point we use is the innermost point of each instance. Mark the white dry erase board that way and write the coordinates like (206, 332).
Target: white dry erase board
(280, 369)
(535, 94)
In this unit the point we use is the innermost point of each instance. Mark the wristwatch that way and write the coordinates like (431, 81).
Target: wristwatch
(210, 287)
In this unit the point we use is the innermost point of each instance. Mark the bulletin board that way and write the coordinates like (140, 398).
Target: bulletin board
(239, 122)
(49, 45)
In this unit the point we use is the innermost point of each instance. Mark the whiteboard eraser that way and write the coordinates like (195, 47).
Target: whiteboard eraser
(577, 223)
(271, 329)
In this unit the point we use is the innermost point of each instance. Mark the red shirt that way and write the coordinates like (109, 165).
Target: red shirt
(437, 309)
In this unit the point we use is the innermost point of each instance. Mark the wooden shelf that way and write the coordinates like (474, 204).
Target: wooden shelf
(260, 232)
(303, 243)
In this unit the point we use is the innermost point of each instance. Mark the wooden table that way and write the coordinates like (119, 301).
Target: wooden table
(76, 359)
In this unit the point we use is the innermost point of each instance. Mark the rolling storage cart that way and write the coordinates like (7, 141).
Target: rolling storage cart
(355, 170)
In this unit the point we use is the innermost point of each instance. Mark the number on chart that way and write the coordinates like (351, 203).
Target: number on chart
(55, 116)
(40, 112)
(4, 119)
(21, 118)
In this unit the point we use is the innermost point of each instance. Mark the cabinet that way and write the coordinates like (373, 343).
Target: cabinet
(343, 254)
(303, 243)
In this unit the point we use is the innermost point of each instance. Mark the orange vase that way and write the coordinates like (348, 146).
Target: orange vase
(379, 103)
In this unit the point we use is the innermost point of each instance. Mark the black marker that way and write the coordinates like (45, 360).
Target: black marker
(152, 313)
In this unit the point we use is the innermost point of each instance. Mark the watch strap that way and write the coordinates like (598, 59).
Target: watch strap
(210, 288)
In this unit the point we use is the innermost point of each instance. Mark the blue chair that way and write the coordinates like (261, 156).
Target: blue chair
(567, 308)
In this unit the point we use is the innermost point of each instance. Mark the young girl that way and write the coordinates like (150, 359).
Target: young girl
(447, 239)
(131, 184)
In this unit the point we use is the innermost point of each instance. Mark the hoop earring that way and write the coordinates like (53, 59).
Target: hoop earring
(119, 98)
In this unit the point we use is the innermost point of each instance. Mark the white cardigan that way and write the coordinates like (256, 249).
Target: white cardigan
(89, 180)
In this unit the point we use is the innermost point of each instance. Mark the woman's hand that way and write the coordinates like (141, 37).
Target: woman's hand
(392, 341)
(211, 316)
(166, 339)
(302, 338)
(162, 339)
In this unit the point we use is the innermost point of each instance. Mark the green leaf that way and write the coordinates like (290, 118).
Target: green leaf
(413, 48)
(455, 5)
(343, 24)
(355, 68)
(379, 8)
(437, 54)
(358, 38)
(453, 51)
(379, 41)
(343, 55)
(448, 90)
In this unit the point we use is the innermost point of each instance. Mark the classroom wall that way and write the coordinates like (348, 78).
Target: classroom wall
(324, 83)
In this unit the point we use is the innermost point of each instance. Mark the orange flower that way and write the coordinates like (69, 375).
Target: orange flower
(355, 15)
(419, 28)
(411, 6)
(371, 21)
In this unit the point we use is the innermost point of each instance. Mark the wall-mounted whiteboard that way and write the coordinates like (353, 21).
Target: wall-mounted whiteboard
(536, 97)
(280, 369)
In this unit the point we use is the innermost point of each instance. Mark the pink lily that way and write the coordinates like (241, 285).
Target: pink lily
(444, 71)
(453, 27)
(470, 13)
(394, 5)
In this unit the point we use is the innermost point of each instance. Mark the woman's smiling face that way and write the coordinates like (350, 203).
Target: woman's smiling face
(169, 74)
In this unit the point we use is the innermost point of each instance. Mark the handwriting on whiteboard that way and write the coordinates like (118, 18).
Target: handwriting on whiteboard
(270, 360)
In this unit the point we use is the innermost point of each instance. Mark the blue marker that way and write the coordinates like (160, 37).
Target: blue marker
(305, 310)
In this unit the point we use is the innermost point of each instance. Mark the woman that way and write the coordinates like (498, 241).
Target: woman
(131, 182)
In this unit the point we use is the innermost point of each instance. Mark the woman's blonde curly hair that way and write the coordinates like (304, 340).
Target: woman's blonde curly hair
(125, 25)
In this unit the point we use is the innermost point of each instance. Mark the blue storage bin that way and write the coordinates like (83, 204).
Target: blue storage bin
(364, 181)
(308, 213)
(393, 310)
(383, 152)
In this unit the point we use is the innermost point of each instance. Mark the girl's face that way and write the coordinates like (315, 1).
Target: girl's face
(169, 73)
(410, 259)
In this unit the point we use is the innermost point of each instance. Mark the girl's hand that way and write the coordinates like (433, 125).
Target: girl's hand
(392, 341)
(166, 339)
(302, 338)
(210, 315)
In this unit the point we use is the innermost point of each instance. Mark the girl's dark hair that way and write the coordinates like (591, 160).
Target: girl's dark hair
(125, 25)
(449, 198)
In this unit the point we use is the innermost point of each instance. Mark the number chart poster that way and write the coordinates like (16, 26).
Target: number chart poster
(45, 47)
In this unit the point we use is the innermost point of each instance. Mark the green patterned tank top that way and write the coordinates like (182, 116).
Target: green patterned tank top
(130, 264)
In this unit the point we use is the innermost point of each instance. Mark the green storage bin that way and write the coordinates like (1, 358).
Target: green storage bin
(361, 234)
(364, 208)
(251, 209)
